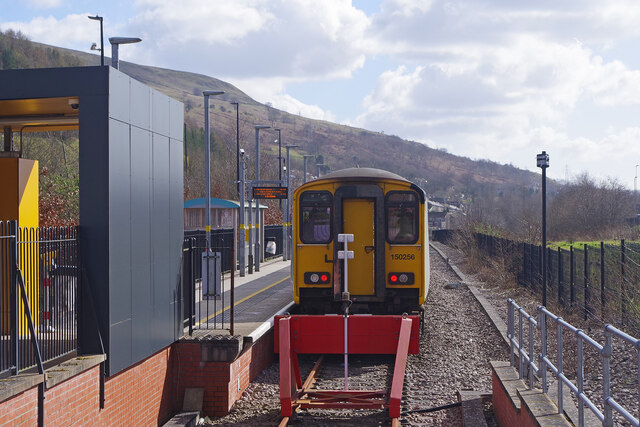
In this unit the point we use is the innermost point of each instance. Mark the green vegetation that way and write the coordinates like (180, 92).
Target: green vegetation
(16, 51)
(580, 244)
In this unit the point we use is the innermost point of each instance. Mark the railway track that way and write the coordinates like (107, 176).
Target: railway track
(457, 344)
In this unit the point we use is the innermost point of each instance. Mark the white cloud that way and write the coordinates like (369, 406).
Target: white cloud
(272, 90)
(73, 31)
(44, 4)
(293, 40)
(490, 80)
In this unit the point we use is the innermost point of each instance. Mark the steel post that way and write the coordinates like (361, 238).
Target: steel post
(560, 366)
(250, 249)
(243, 231)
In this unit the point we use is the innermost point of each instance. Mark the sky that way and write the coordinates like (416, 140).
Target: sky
(487, 79)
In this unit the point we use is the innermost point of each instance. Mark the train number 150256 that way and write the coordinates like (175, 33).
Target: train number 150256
(403, 257)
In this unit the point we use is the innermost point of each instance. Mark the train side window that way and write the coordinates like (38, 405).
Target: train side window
(315, 216)
(402, 217)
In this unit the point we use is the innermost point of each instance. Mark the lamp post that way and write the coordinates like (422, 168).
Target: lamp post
(257, 255)
(207, 161)
(243, 232)
(635, 182)
(99, 18)
(237, 145)
(279, 155)
(304, 158)
(287, 244)
(543, 163)
(115, 44)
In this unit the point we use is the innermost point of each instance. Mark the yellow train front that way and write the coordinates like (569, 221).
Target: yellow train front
(387, 215)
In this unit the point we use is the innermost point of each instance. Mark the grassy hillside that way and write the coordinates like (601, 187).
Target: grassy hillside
(336, 145)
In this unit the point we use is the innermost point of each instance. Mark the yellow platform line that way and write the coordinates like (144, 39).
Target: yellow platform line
(211, 316)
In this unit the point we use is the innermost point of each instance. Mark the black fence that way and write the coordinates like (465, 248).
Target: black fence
(222, 240)
(207, 310)
(600, 281)
(39, 279)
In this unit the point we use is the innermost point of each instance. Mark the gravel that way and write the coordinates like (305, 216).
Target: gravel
(456, 347)
(624, 362)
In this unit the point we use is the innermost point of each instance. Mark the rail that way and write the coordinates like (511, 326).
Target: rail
(526, 362)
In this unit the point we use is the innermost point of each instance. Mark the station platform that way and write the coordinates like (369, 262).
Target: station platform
(257, 298)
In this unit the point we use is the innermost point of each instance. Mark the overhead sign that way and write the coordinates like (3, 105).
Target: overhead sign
(270, 192)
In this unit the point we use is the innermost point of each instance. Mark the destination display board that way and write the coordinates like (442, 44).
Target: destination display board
(270, 192)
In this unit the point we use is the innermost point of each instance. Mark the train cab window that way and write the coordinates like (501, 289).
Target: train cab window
(315, 216)
(402, 217)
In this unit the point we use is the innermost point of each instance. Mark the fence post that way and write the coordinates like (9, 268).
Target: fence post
(524, 263)
(549, 266)
(572, 289)
(560, 276)
(602, 281)
(622, 284)
(540, 255)
(510, 330)
(542, 367)
(13, 284)
(606, 379)
(586, 281)
(560, 365)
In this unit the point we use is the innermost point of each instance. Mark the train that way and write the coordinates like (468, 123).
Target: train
(387, 215)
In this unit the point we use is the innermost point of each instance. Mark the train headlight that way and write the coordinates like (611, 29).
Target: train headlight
(317, 278)
(401, 278)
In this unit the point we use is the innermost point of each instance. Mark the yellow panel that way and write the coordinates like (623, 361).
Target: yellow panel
(358, 220)
(28, 193)
(19, 201)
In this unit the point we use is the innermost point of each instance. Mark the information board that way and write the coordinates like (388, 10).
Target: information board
(270, 192)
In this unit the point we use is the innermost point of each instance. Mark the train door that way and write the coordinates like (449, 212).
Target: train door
(359, 210)
(358, 219)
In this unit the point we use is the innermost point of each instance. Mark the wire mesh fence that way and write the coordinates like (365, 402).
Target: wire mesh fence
(598, 281)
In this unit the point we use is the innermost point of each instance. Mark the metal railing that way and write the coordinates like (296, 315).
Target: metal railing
(526, 361)
(39, 276)
(206, 307)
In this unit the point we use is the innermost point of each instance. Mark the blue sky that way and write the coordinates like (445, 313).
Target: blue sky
(492, 79)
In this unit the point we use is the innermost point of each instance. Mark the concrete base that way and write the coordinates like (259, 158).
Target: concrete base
(472, 408)
(514, 404)
(221, 348)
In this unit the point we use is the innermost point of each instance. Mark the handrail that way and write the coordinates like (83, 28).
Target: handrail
(526, 361)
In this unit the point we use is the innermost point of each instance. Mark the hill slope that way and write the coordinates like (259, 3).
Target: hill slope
(337, 146)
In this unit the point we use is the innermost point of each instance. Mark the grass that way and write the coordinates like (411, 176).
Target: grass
(580, 244)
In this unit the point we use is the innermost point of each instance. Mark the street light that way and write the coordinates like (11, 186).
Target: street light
(257, 183)
(635, 181)
(287, 244)
(543, 163)
(207, 161)
(93, 47)
(279, 140)
(115, 43)
(237, 145)
(304, 158)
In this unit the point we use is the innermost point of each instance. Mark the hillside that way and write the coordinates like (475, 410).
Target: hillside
(337, 146)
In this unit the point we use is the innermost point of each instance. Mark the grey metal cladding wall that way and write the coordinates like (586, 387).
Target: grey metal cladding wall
(145, 223)
(91, 86)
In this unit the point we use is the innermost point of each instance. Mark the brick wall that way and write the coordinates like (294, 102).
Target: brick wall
(223, 383)
(147, 393)
(22, 409)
